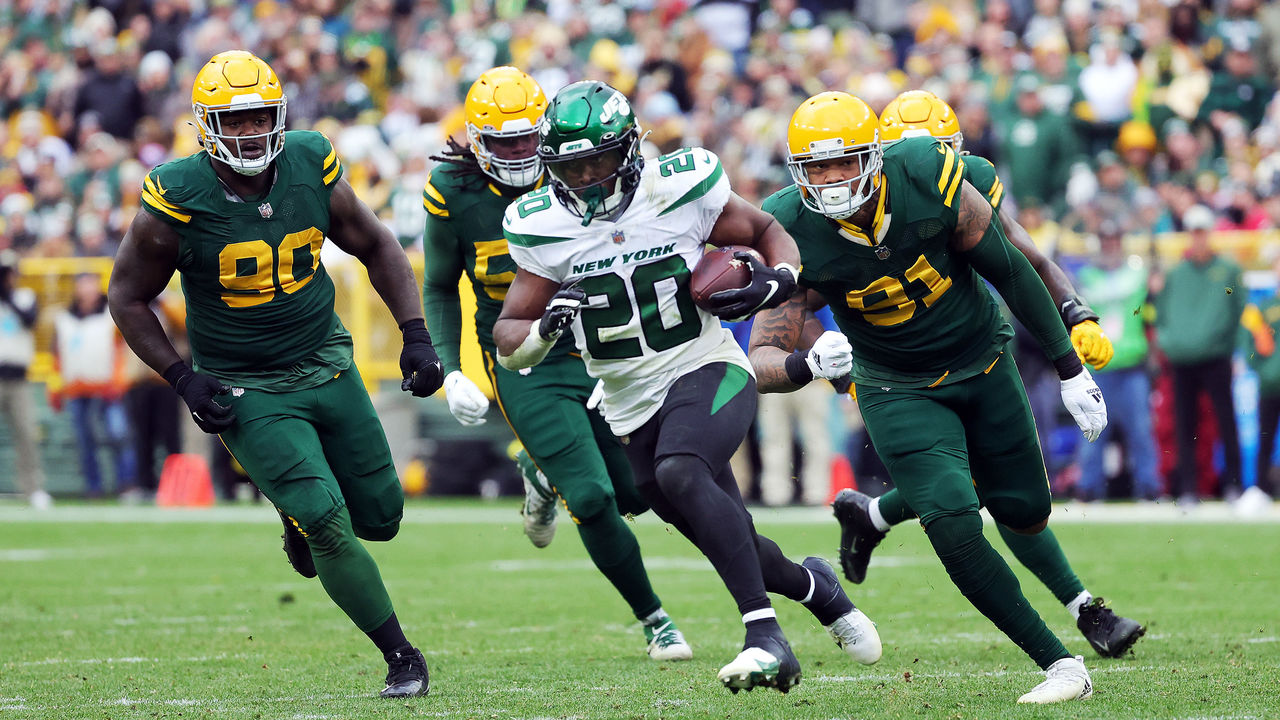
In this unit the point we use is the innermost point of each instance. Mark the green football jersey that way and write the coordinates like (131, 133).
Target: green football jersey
(916, 312)
(981, 174)
(258, 298)
(464, 222)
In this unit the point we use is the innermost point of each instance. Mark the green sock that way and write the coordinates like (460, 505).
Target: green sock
(894, 509)
(615, 551)
(1042, 555)
(986, 581)
(349, 574)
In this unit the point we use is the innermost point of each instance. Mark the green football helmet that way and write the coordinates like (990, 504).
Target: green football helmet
(590, 142)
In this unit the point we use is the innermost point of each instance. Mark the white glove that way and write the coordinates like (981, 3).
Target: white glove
(1083, 398)
(466, 402)
(597, 396)
(831, 356)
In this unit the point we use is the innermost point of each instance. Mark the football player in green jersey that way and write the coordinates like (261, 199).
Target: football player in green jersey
(243, 221)
(865, 520)
(896, 242)
(607, 248)
(576, 455)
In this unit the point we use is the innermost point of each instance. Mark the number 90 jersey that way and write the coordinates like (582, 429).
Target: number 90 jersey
(258, 297)
(639, 331)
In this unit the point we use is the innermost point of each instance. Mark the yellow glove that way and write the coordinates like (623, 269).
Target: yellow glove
(1091, 344)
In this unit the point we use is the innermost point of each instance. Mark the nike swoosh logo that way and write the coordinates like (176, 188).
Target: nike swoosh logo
(773, 285)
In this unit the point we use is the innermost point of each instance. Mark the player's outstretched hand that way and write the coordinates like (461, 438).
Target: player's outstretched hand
(561, 311)
(1091, 344)
(467, 403)
(198, 391)
(1084, 400)
(769, 287)
(423, 374)
(831, 356)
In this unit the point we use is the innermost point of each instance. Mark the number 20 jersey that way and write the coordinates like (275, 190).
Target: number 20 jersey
(915, 311)
(258, 298)
(640, 330)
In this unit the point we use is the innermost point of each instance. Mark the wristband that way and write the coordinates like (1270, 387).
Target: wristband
(1068, 366)
(798, 371)
(177, 374)
(1074, 311)
(414, 330)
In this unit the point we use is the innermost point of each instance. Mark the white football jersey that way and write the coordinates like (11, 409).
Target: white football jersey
(639, 331)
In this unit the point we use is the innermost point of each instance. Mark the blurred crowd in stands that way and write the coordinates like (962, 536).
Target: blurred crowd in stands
(1116, 126)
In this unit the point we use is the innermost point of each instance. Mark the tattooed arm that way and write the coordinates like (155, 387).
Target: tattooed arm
(775, 335)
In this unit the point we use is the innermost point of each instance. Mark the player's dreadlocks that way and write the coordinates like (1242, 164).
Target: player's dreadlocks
(461, 157)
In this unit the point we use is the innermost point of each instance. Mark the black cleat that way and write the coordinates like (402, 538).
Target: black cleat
(858, 535)
(1109, 634)
(406, 675)
(296, 548)
(768, 662)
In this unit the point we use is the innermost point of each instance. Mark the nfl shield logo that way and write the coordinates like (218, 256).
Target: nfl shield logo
(882, 252)
(265, 210)
(618, 237)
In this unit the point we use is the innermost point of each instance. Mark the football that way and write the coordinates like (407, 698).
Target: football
(718, 270)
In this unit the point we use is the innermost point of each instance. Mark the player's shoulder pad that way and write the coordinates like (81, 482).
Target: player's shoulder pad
(537, 218)
(929, 165)
(446, 192)
(785, 205)
(982, 175)
(681, 177)
(312, 152)
(170, 191)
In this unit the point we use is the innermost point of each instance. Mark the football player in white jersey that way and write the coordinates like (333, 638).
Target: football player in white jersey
(607, 249)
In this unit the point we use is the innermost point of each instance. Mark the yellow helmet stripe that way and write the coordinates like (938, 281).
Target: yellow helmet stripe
(151, 199)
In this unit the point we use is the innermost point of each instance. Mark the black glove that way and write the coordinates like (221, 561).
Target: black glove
(198, 392)
(769, 288)
(1074, 310)
(561, 311)
(423, 373)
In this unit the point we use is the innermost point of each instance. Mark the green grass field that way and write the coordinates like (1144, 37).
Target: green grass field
(111, 612)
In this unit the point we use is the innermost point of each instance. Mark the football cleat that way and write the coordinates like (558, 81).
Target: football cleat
(539, 510)
(1066, 679)
(856, 634)
(406, 675)
(1109, 634)
(858, 535)
(767, 664)
(296, 547)
(666, 642)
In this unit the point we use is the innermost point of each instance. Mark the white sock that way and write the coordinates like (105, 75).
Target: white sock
(876, 518)
(654, 617)
(1080, 601)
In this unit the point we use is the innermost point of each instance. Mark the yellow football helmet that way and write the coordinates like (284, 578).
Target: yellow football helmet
(920, 113)
(835, 125)
(230, 82)
(505, 102)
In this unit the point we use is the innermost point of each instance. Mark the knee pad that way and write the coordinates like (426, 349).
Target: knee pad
(590, 501)
(954, 535)
(677, 473)
(1018, 514)
(377, 533)
(331, 537)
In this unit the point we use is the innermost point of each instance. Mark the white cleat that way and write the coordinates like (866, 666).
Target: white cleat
(1066, 679)
(856, 634)
(539, 510)
(666, 642)
(757, 667)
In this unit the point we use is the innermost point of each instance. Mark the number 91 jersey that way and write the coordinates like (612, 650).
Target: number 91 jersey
(640, 330)
(258, 297)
